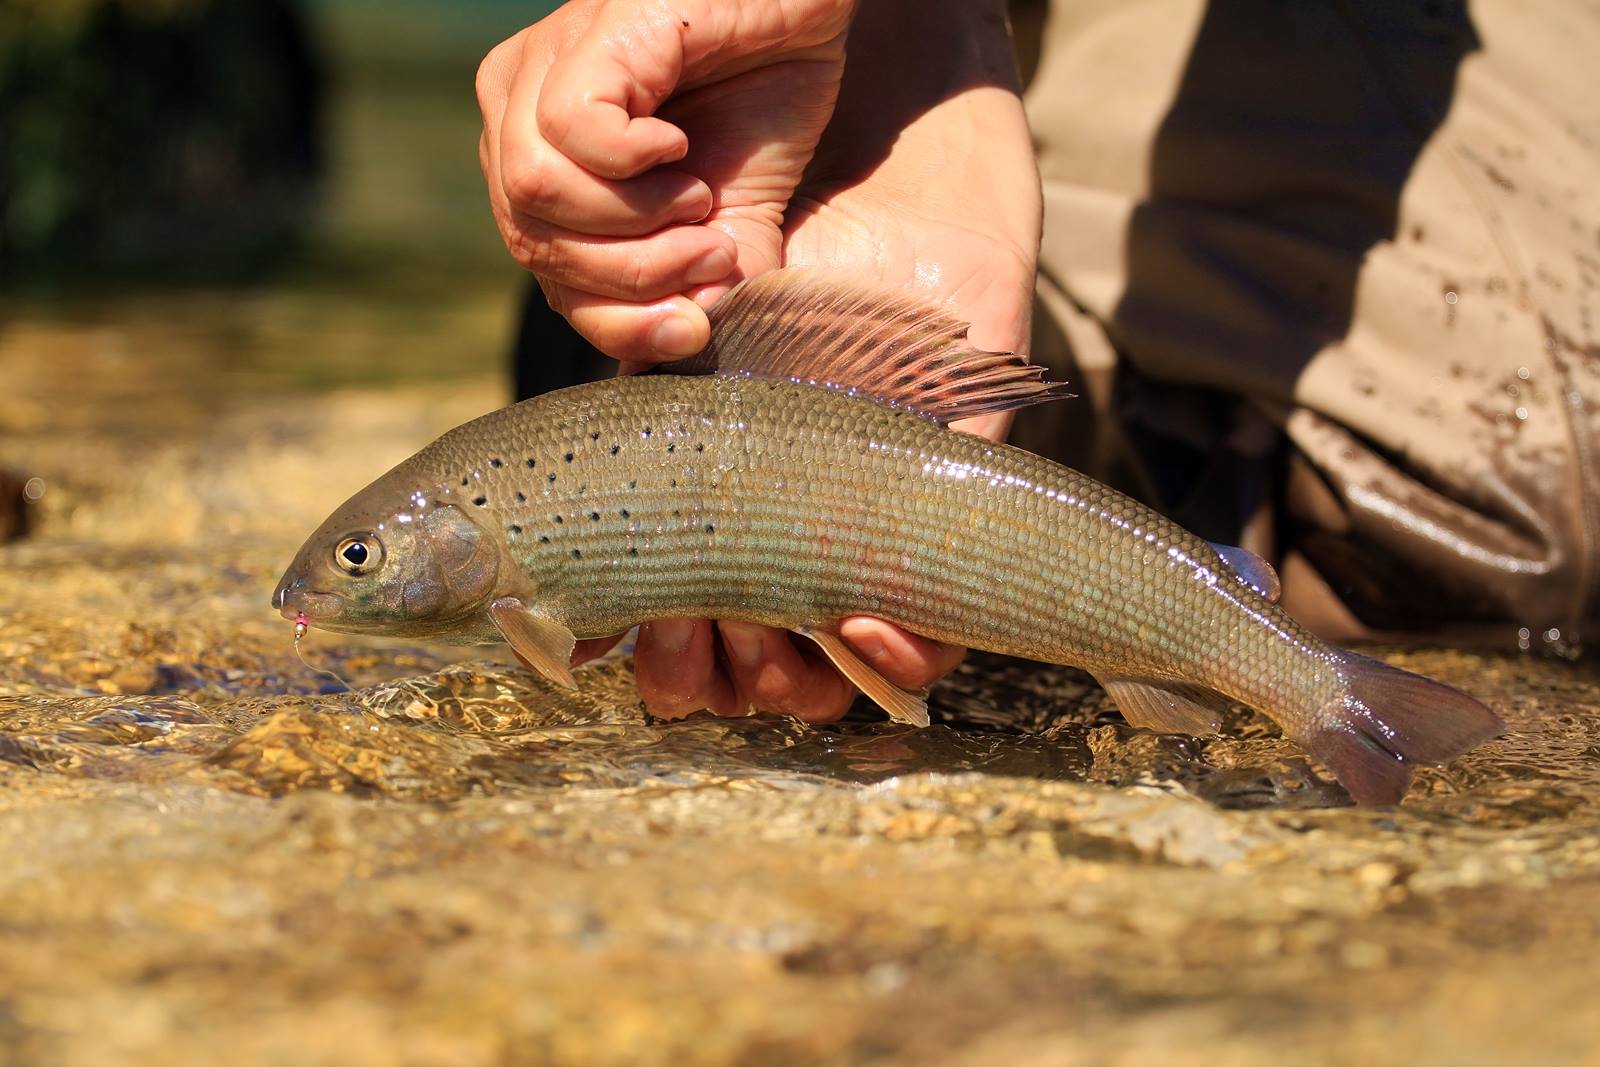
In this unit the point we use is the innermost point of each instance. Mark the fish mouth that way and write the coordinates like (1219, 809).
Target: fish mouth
(292, 600)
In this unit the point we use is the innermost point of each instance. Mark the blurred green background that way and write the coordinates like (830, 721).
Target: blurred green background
(289, 189)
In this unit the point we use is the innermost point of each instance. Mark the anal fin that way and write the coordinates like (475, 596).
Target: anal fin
(1166, 707)
(540, 641)
(902, 706)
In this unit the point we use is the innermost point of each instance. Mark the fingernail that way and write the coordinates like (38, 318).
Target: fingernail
(711, 266)
(672, 635)
(869, 645)
(694, 205)
(743, 642)
(675, 336)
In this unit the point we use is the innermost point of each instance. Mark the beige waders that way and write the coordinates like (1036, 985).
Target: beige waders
(1327, 277)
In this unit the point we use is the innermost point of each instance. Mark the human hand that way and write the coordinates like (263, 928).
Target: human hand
(925, 177)
(639, 154)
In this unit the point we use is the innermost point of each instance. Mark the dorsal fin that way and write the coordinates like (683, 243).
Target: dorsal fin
(821, 327)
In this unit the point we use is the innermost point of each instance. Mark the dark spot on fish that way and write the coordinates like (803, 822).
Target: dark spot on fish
(552, 479)
(595, 436)
(496, 464)
(699, 446)
(530, 463)
(480, 500)
(584, 488)
(465, 480)
(710, 528)
(623, 513)
(633, 551)
(576, 554)
(677, 514)
(522, 498)
(594, 516)
(673, 484)
(672, 448)
(544, 539)
(567, 457)
(645, 432)
(515, 529)
(556, 519)
(633, 484)
(615, 449)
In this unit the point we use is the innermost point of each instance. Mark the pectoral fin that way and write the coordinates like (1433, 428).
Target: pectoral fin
(543, 643)
(1166, 707)
(902, 706)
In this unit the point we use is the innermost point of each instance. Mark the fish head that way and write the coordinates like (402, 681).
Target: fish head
(393, 561)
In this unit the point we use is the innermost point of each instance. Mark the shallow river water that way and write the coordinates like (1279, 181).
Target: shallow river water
(213, 855)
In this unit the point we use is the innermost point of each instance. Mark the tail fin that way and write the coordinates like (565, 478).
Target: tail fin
(1389, 719)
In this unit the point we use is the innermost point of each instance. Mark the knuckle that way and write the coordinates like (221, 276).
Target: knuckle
(532, 187)
(640, 276)
(483, 84)
(556, 117)
(537, 255)
(492, 77)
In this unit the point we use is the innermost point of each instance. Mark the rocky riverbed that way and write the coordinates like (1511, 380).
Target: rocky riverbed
(214, 855)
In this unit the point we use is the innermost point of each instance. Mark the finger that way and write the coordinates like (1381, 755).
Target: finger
(675, 665)
(594, 648)
(541, 182)
(907, 660)
(496, 74)
(679, 341)
(595, 103)
(643, 334)
(631, 269)
(773, 675)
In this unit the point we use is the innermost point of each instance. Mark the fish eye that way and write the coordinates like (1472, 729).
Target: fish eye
(358, 555)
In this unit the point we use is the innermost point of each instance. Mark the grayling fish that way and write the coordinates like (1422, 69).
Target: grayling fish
(799, 471)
